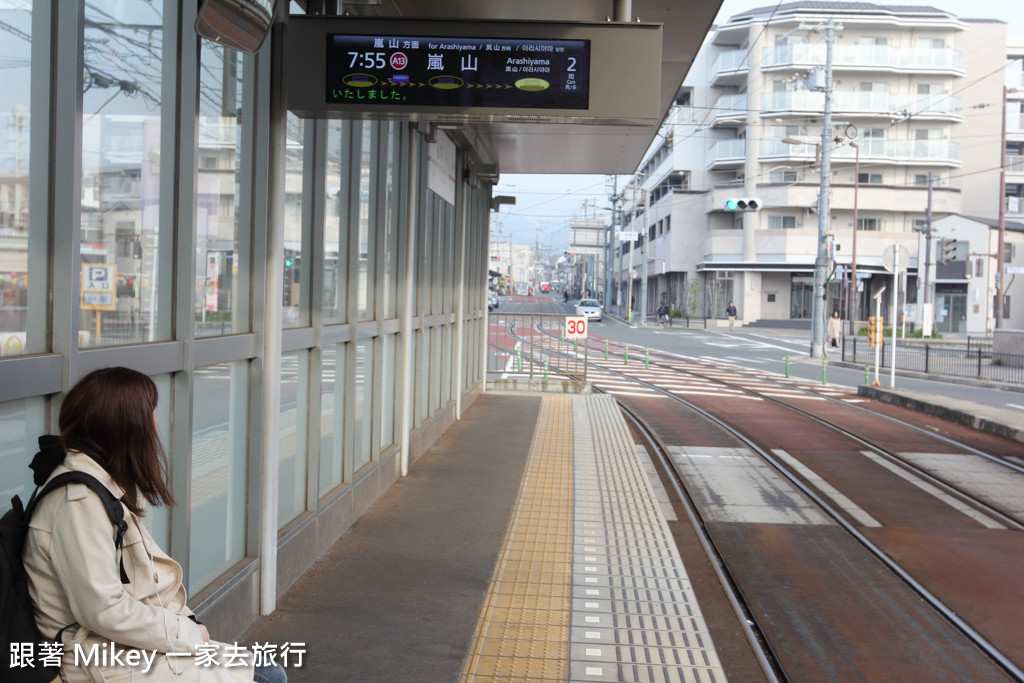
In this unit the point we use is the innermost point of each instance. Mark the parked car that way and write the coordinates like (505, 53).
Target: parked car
(492, 301)
(589, 308)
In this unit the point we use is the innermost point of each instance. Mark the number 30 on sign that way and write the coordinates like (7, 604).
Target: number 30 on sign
(575, 327)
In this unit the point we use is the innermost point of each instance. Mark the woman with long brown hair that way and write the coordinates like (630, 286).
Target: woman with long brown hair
(101, 602)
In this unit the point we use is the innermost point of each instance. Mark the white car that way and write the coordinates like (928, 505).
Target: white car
(589, 308)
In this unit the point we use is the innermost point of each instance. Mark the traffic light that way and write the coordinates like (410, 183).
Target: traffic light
(875, 325)
(743, 204)
(947, 251)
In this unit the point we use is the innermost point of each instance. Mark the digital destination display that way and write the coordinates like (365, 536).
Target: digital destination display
(407, 71)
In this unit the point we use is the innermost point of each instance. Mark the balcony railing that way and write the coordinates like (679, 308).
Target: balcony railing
(731, 105)
(731, 61)
(872, 56)
(878, 103)
(897, 150)
(1014, 163)
(728, 150)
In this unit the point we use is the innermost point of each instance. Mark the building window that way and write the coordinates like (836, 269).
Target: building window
(1008, 251)
(120, 149)
(293, 437)
(781, 222)
(668, 224)
(870, 178)
(685, 97)
(125, 238)
(921, 179)
(783, 177)
(222, 296)
(332, 417)
(219, 471)
(873, 224)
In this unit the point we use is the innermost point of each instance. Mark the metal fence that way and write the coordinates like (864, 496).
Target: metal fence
(532, 346)
(975, 359)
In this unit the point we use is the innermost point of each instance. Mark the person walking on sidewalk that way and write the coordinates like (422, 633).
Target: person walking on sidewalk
(730, 311)
(835, 329)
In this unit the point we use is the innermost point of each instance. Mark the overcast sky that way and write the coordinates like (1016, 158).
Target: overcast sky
(545, 203)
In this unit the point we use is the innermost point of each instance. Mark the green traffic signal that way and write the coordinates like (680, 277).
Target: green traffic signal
(743, 204)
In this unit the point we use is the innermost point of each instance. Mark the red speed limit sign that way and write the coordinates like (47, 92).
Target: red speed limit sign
(575, 327)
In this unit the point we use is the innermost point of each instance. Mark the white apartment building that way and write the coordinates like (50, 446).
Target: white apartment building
(515, 263)
(917, 92)
(587, 238)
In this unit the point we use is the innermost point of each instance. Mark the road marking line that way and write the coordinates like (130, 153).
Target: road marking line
(955, 503)
(830, 491)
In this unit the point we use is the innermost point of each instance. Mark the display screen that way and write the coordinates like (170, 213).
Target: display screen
(407, 71)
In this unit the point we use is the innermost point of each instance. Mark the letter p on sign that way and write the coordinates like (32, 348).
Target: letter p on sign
(575, 327)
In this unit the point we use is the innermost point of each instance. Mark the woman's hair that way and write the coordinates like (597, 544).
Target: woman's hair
(108, 415)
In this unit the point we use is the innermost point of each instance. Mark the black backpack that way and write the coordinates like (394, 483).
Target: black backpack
(17, 619)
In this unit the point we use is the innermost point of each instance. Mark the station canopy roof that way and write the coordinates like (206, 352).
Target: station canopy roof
(559, 147)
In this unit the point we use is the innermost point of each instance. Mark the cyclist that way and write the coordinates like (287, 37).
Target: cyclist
(663, 316)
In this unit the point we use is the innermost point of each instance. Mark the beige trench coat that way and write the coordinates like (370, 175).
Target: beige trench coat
(74, 576)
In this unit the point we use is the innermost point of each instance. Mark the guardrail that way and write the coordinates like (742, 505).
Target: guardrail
(532, 346)
(975, 360)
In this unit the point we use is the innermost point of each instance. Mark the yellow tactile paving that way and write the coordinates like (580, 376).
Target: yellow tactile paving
(523, 632)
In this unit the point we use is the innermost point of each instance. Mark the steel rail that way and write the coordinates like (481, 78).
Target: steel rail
(950, 615)
(766, 658)
(968, 497)
(950, 441)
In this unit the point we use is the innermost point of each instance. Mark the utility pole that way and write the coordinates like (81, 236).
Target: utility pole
(824, 209)
(610, 243)
(927, 313)
(1001, 243)
(852, 299)
(643, 256)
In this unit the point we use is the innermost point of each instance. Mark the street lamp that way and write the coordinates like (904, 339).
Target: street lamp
(817, 147)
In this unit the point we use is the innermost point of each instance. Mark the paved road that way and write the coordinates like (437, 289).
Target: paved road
(766, 349)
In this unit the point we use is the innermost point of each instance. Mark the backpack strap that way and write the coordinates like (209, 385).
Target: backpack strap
(113, 506)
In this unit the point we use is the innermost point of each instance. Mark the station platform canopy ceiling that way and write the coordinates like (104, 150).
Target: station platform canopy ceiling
(531, 144)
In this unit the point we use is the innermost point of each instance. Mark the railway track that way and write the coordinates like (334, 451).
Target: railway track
(699, 391)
